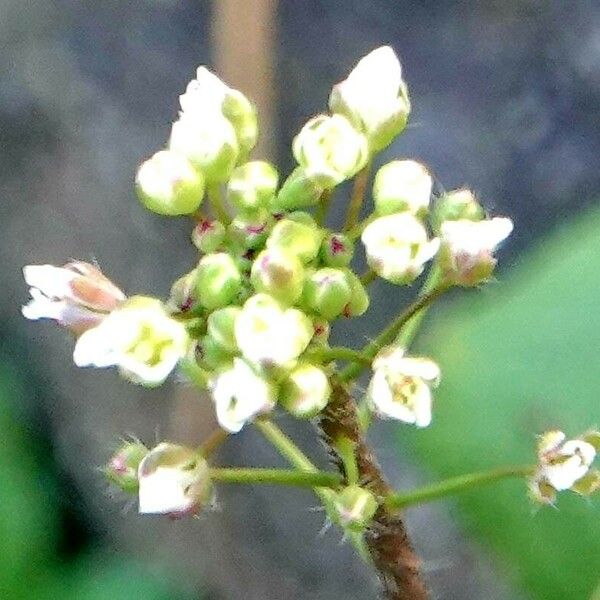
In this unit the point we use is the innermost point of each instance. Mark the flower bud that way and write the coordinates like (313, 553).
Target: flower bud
(321, 329)
(168, 184)
(219, 280)
(564, 464)
(242, 115)
(208, 235)
(122, 468)
(278, 273)
(337, 250)
(402, 185)
(213, 355)
(297, 191)
(401, 387)
(359, 299)
(183, 293)
(77, 296)
(327, 292)
(173, 480)
(252, 185)
(240, 394)
(221, 327)
(374, 98)
(305, 391)
(454, 206)
(467, 249)
(330, 150)
(299, 239)
(397, 247)
(354, 508)
(249, 230)
(269, 335)
(210, 144)
(139, 337)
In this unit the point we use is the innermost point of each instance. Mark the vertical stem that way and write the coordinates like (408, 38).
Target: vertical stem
(212, 442)
(216, 201)
(323, 207)
(357, 198)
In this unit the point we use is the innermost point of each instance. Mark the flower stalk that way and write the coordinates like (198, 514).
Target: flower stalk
(276, 477)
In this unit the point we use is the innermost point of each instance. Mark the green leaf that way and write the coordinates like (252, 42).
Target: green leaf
(518, 359)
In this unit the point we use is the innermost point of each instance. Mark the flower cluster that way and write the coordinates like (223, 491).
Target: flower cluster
(250, 321)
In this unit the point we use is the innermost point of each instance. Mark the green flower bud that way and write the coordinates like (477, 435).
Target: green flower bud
(212, 355)
(278, 273)
(183, 292)
(297, 191)
(208, 235)
(219, 280)
(301, 216)
(209, 143)
(250, 230)
(327, 292)
(456, 205)
(252, 185)
(359, 299)
(242, 115)
(337, 250)
(402, 185)
(305, 391)
(167, 184)
(221, 327)
(322, 329)
(297, 238)
(355, 508)
(330, 150)
(122, 468)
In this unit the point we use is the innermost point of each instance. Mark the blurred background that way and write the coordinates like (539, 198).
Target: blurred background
(506, 99)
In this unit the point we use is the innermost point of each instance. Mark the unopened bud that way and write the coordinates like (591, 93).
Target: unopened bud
(278, 273)
(297, 191)
(249, 230)
(330, 150)
(456, 205)
(219, 280)
(402, 185)
(337, 250)
(221, 327)
(252, 185)
(327, 292)
(122, 468)
(183, 292)
(208, 235)
(355, 508)
(359, 299)
(305, 391)
(242, 115)
(212, 354)
(299, 239)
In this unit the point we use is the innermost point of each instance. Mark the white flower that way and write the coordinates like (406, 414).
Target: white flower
(330, 150)
(397, 247)
(173, 480)
(77, 296)
(468, 247)
(564, 464)
(240, 394)
(402, 185)
(140, 338)
(269, 335)
(305, 391)
(374, 97)
(401, 387)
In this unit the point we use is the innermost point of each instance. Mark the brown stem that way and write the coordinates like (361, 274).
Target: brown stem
(391, 550)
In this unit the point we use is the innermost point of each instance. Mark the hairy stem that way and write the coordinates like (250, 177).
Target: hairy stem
(386, 538)
(454, 485)
(357, 198)
(277, 476)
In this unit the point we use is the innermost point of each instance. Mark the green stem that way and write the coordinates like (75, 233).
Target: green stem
(368, 277)
(340, 353)
(216, 201)
(356, 231)
(454, 485)
(345, 448)
(277, 477)
(212, 442)
(323, 207)
(388, 335)
(357, 198)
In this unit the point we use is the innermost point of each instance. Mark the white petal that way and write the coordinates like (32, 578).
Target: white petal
(52, 281)
(163, 492)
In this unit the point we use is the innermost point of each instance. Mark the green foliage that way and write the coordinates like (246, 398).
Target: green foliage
(517, 359)
(30, 567)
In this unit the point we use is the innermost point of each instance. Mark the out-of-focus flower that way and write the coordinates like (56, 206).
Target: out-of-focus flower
(330, 150)
(374, 97)
(139, 338)
(252, 185)
(456, 205)
(173, 480)
(565, 464)
(78, 295)
(397, 247)
(402, 185)
(240, 394)
(168, 184)
(401, 386)
(467, 249)
(270, 335)
(305, 391)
